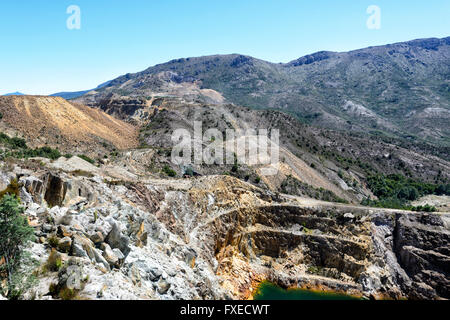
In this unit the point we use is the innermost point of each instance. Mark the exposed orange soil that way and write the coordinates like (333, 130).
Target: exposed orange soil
(55, 120)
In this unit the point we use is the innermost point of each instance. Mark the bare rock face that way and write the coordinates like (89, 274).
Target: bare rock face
(422, 245)
(377, 254)
(217, 237)
(110, 256)
(34, 187)
(56, 191)
(163, 287)
(122, 107)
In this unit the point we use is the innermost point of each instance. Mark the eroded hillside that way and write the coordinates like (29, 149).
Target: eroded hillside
(56, 122)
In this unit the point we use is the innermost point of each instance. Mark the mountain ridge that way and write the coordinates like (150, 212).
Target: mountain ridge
(399, 89)
(17, 93)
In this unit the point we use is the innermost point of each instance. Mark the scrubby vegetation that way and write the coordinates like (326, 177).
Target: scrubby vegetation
(295, 187)
(396, 191)
(54, 262)
(14, 143)
(86, 158)
(17, 148)
(189, 172)
(44, 152)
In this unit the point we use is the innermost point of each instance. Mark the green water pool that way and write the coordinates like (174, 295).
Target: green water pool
(269, 291)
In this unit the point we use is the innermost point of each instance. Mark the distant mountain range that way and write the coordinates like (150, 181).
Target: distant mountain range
(400, 89)
(14, 94)
(397, 90)
(76, 94)
(69, 95)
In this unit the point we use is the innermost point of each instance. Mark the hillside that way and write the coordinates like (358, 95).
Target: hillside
(58, 123)
(314, 162)
(364, 166)
(400, 90)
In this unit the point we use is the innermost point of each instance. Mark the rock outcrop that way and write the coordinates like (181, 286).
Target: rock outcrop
(218, 237)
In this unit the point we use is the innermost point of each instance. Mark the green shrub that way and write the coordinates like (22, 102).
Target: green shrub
(425, 208)
(14, 143)
(18, 143)
(20, 149)
(408, 193)
(443, 189)
(86, 158)
(169, 171)
(53, 241)
(68, 294)
(46, 152)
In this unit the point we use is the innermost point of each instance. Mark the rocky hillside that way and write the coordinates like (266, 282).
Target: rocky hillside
(400, 89)
(125, 229)
(216, 237)
(315, 163)
(328, 165)
(70, 127)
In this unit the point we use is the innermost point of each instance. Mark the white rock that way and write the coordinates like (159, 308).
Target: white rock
(349, 216)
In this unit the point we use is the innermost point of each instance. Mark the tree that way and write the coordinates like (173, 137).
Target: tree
(443, 189)
(408, 193)
(15, 233)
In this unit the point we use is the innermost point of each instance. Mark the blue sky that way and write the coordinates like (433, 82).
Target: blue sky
(39, 55)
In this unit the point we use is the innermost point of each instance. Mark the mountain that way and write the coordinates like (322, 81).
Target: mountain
(400, 90)
(120, 220)
(69, 95)
(76, 94)
(14, 94)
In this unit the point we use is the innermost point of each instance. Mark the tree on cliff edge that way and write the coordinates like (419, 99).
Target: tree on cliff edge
(15, 233)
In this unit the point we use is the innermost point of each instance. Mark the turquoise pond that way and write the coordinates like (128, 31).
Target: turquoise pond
(269, 291)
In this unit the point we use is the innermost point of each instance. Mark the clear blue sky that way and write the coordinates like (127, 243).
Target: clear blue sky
(39, 55)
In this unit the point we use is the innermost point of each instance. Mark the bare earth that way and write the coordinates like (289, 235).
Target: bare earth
(55, 121)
